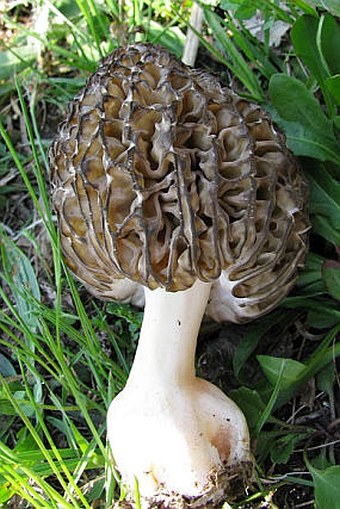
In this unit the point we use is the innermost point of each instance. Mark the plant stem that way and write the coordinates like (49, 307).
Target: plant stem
(192, 40)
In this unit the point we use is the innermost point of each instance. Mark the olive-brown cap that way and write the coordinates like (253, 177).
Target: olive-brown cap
(162, 176)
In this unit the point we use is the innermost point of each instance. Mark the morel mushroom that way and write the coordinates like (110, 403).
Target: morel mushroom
(168, 184)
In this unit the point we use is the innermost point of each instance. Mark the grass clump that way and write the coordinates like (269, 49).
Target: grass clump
(63, 355)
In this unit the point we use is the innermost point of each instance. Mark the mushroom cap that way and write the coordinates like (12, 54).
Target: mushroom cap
(162, 176)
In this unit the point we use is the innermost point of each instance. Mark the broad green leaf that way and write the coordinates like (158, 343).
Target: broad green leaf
(249, 343)
(246, 347)
(294, 374)
(321, 461)
(316, 42)
(251, 405)
(272, 367)
(331, 277)
(7, 408)
(330, 43)
(21, 278)
(284, 446)
(325, 203)
(310, 280)
(304, 35)
(96, 491)
(272, 398)
(324, 316)
(326, 486)
(243, 9)
(227, 5)
(6, 367)
(333, 84)
(325, 381)
(309, 132)
(246, 11)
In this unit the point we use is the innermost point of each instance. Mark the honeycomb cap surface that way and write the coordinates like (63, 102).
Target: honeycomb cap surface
(160, 175)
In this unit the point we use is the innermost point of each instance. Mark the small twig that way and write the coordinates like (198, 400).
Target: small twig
(192, 40)
(276, 478)
(295, 412)
(7, 229)
(320, 446)
(305, 504)
(307, 335)
(31, 226)
(7, 178)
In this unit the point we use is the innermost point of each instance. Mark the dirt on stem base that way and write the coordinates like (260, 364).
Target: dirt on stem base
(226, 484)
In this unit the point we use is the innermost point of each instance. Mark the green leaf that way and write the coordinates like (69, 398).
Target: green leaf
(21, 278)
(331, 277)
(245, 11)
(309, 132)
(296, 374)
(6, 367)
(325, 316)
(310, 280)
(333, 84)
(304, 36)
(326, 486)
(272, 367)
(7, 408)
(325, 381)
(325, 203)
(286, 377)
(97, 491)
(246, 347)
(316, 42)
(227, 5)
(330, 43)
(321, 461)
(251, 404)
(284, 446)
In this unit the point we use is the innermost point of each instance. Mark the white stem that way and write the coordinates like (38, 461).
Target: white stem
(192, 40)
(167, 343)
(169, 429)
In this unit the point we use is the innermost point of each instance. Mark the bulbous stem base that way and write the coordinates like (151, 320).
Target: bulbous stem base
(174, 439)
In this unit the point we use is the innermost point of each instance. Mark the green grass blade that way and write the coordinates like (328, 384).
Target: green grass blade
(34, 433)
(72, 486)
(272, 400)
(234, 60)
